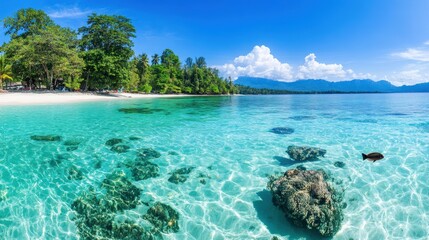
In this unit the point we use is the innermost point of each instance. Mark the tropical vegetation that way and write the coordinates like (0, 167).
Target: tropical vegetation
(5, 70)
(98, 56)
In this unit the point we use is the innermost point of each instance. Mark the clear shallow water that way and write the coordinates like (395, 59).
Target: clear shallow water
(228, 139)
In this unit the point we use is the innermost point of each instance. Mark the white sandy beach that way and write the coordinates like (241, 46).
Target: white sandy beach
(35, 98)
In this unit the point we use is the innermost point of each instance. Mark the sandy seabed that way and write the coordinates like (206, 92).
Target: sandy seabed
(34, 98)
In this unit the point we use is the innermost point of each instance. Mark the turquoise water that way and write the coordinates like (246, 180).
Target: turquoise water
(227, 140)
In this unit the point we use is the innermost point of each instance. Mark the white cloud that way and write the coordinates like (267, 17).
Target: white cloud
(414, 54)
(416, 70)
(68, 13)
(258, 63)
(410, 75)
(261, 63)
(314, 70)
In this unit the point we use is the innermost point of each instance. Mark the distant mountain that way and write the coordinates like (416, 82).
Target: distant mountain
(319, 85)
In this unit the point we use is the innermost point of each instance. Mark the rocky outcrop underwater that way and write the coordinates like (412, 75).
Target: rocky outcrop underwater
(96, 213)
(308, 200)
(304, 153)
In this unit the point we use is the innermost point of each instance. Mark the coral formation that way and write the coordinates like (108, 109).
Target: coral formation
(163, 217)
(121, 193)
(304, 153)
(72, 148)
(308, 200)
(142, 170)
(132, 138)
(74, 173)
(147, 154)
(180, 175)
(120, 148)
(47, 138)
(113, 141)
(282, 130)
(96, 214)
(339, 164)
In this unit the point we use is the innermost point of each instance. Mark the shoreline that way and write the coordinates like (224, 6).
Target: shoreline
(48, 98)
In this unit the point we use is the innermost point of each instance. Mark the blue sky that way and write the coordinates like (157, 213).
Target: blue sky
(284, 40)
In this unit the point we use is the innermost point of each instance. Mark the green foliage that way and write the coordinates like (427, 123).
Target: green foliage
(101, 59)
(73, 83)
(106, 44)
(142, 66)
(27, 22)
(155, 59)
(50, 52)
(5, 70)
(145, 88)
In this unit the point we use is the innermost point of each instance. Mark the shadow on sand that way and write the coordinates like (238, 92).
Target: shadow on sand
(276, 222)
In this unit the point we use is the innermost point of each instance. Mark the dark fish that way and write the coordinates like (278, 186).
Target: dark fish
(375, 156)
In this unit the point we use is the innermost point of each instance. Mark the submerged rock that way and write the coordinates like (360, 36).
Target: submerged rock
(134, 138)
(96, 220)
(141, 110)
(173, 153)
(113, 141)
(72, 142)
(129, 230)
(164, 218)
(72, 148)
(308, 200)
(47, 138)
(74, 173)
(304, 153)
(180, 175)
(282, 130)
(120, 148)
(203, 178)
(142, 170)
(96, 213)
(121, 193)
(339, 164)
(93, 220)
(147, 154)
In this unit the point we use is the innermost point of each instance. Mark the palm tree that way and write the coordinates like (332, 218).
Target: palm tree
(155, 59)
(142, 66)
(5, 70)
(200, 62)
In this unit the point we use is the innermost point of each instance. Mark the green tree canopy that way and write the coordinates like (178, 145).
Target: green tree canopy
(40, 50)
(107, 46)
(27, 22)
(53, 49)
(155, 59)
